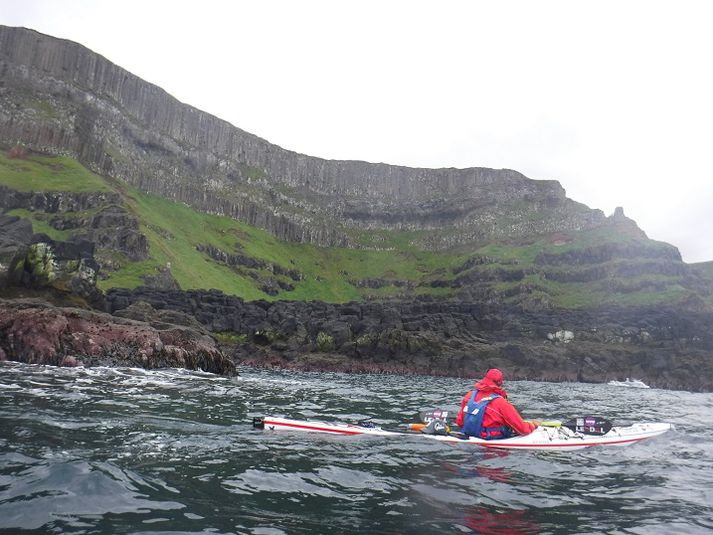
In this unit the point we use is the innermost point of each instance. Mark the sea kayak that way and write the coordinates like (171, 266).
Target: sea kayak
(542, 438)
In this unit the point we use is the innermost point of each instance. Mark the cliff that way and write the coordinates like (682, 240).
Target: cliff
(667, 347)
(492, 234)
(59, 97)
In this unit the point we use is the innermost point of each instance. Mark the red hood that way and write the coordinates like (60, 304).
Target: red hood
(488, 386)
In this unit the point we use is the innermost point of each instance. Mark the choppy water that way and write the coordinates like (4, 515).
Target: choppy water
(132, 451)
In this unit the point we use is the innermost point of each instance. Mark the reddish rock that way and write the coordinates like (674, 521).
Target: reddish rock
(39, 333)
(71, 362)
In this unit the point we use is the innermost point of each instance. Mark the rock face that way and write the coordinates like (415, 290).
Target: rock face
(38, 333)
(36, 262)
(668, 348)
(113, 228)
(15, 236)
(59, 97)
(65, 266)
(55, 202)
(109, 227)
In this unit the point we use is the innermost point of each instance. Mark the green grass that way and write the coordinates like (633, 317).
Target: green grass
(521, 254)
(671, 294)
(252, 173)
(705, 269)
(191, 268)
(230, 338)
(40, 225)
(587, 294)
(327, 272)
(129, 276)
(48, 173)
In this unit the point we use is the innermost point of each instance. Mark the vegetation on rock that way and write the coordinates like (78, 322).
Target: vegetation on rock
(610, 264)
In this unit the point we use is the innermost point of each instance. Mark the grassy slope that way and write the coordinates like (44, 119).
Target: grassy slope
(48, 173)
(174, 230)
(327, 271)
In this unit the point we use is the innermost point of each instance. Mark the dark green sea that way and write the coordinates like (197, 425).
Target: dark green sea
(105, 450)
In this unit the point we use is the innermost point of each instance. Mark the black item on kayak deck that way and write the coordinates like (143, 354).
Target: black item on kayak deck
(589, 425)
(436, 427)
(368, 424)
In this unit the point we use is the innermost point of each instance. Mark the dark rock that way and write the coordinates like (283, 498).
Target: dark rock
(664, 346)
(271, 286)
(160, 319)
(476, 260)
(60, 222)
(55, 202)
(231, 259)
(339, 331)
(15, 237)
(163, 279)
(115, 229)
(112, 227)
(42, 263)
(113, 217)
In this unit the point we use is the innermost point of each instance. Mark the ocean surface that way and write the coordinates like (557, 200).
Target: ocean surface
(104, 450)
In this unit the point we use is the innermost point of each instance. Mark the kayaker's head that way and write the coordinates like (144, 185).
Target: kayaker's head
(495, 375)
(492, 382)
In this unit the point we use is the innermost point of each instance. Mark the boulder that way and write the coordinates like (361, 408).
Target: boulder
(65, 267)
(39, 333)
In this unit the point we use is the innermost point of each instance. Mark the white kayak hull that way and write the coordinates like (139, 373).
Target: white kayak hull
(543, 438)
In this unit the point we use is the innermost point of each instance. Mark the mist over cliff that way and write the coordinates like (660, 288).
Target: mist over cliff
(59, 97)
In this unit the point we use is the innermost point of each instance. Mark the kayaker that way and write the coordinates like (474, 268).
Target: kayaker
(485, 411)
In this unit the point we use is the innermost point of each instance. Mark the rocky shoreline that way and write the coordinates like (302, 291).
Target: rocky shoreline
(665, 347)
(217, 333)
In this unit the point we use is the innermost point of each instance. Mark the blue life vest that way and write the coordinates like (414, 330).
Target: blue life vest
(473, 419)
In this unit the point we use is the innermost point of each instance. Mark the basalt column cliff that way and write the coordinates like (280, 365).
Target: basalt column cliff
(59, 97)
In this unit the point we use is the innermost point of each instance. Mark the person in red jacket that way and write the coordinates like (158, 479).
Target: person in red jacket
(486, 413)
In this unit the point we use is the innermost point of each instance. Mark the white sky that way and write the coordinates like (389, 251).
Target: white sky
(614, 99)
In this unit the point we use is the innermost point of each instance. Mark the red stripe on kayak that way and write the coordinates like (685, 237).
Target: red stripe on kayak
(314, 428)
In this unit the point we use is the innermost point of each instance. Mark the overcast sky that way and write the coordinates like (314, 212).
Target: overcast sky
(614, 99)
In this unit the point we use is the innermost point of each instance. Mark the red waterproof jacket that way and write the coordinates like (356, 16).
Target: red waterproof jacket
(499, 412)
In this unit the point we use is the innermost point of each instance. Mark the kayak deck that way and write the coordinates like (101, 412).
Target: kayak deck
(543, 438)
